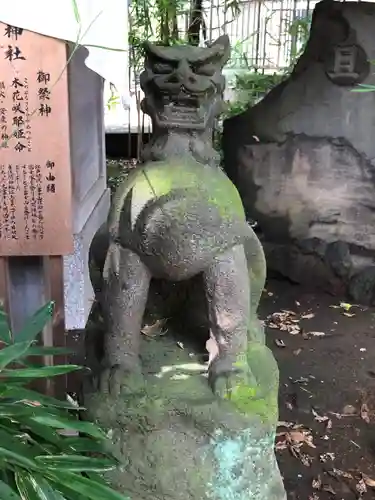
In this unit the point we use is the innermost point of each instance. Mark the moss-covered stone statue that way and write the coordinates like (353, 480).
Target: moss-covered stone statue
(184, 429)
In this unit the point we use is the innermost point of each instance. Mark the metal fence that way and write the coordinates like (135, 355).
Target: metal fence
(265, 35)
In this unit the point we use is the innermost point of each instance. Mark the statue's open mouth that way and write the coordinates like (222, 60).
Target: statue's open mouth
(185, 110)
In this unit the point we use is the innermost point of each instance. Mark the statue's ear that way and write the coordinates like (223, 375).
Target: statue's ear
(153, 50)
(223, 40)
(147, 47)
(224, 43)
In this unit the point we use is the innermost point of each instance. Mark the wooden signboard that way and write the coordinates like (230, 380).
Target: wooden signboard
(35, 175)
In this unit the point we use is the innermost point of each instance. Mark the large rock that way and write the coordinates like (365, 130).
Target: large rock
(303, 158)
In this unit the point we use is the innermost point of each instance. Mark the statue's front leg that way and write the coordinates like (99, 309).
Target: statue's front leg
(228, 294)
(126, 282)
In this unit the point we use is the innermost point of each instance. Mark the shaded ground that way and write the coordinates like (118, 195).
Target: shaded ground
(327, 386)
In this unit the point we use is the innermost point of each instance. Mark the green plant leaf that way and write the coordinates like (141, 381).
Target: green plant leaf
(5, 334)
(13, 352)
(16, 393)
(16, 410)
(113, 49)
(84, 445)
(48, 351)
(26, 489)
(7, 455)
(88, 488)
(36, 324)
(34, 487)
(57, 422)
(363, 90)
(6, 492)
(42, 372)
(76, 463)
(13, 450)
(45, 434)
(94, 476)
(76, 11)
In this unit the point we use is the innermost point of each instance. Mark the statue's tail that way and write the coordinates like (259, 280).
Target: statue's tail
(257, 266)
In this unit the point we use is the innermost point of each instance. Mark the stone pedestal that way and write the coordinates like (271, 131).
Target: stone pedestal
(175, 439)
(303, 158)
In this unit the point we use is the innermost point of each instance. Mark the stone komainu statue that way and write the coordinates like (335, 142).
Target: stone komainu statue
(178, 215)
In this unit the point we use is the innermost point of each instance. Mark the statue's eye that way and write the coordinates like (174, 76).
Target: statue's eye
(206, 70)
(162, 68)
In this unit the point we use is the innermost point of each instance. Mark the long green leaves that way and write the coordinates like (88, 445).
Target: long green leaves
(7, 493)
(13, 352)
(30, 331)
(363, 87)
(85, 487)
(37, 460)
(5, 334)
(42, 372)
(76, 463)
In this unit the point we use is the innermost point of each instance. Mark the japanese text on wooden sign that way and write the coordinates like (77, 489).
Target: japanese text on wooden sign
(35, 177)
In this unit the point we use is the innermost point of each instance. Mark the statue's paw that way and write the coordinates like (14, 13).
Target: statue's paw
(225, 375)
(118, 380)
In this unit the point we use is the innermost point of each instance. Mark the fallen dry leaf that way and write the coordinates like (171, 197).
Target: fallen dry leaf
(314, 334)
(30, 403)
(306, 460)
(293, 440)
(154, 330)
(324, 457)
(328, 488)
(308, 316)
(300, 437)
(301, 380)
(281, 445)
(368, 481)
(338, 473)
(317, 483)
(280, 343)
(365, 413)
(361, 487)
(285, 321)
(346, 306)
(297, 352)
(329, 425)
(283, 423)
(319, 418)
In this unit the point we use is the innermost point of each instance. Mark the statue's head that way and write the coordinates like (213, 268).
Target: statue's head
(183, 85)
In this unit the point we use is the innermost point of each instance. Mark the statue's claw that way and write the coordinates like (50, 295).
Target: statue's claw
(225, 374)
(118, 380)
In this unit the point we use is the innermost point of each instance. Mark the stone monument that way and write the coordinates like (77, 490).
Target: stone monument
(303, 158)
(183, 428)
